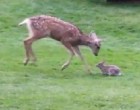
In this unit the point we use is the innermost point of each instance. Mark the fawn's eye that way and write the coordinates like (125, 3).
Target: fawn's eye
(98, 46)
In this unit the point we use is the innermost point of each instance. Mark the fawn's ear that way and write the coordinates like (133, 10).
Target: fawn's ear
(95, 37)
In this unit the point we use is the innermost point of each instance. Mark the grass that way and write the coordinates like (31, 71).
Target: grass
(43, 86)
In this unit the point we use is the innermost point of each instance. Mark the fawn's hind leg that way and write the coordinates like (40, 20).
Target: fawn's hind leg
(28, 50)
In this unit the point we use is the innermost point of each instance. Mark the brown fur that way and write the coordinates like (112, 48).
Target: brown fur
(68, 34)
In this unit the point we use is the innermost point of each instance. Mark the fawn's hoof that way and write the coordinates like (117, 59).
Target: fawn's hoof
(25, 62)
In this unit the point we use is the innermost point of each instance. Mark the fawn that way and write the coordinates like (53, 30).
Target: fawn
(69, 35)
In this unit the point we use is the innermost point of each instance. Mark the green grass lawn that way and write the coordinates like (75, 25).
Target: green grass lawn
(44, 86)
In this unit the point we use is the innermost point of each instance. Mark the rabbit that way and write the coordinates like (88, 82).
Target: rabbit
(111, 70)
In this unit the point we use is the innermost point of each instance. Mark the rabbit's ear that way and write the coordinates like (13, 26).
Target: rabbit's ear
(103, 62)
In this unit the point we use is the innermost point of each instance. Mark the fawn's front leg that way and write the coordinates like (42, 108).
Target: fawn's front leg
(70, 49)
(77, 51)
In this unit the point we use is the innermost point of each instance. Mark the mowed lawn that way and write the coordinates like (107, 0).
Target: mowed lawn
(44, 86)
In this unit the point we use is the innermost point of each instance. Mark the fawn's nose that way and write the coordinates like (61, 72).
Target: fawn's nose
(96, 54)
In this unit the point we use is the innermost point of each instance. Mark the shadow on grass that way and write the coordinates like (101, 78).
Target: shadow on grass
(115, 4)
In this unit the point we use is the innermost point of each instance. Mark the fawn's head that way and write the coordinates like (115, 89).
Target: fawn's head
(94, 43)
